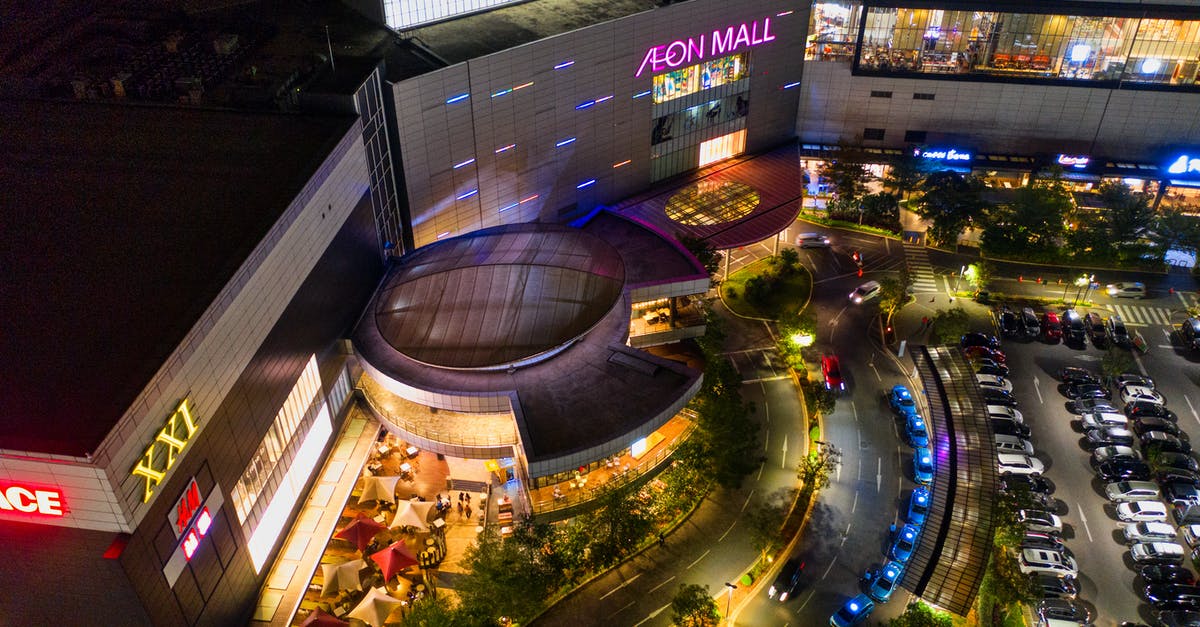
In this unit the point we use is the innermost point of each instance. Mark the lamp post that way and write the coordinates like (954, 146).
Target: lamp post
(729, 599)
(961, 272)
(1079, 283)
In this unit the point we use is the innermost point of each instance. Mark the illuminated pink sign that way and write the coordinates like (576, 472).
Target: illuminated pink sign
(695, 49)
(31, 500)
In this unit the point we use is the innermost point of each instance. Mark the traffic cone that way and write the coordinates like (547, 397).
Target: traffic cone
(1020, 278)
(860, 272)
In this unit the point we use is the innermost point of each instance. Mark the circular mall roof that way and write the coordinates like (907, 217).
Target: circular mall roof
(498, 296)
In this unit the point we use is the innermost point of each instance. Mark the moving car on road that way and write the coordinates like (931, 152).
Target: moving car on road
(1134, 289)
(787, 580)
(812, 240)
(831, 367)
(865, 292)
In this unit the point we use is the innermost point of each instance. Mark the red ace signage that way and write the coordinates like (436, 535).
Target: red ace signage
(185, 508)
(30, 500)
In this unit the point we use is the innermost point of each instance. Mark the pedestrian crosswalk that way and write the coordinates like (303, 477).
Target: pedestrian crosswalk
(919, 269)
(1143, 315)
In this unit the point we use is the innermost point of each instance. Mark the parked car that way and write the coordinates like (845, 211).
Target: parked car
(1072, 374)
(984, 365)
(1041, 540)
(1102, 454)
(1063, 610)
(904, 542)
(1166, 573)
(1117, 331)
(787, 580)
(1075, 331)
(918, 505)
(1085, 390)
(979, 339)
(1015, 483)
(1123, 380)
(1012, 444)
(1164, 442)
(1033, 328)
(1010, 324)
(1134, 289)
(1096, 330)
(1101, 419)
(831, 367)
(882, 583)
(1179, 618)
(1142, 511)
(1148, 532)
(1037, 520)
(1180, 461)
(1129, 491)
(915, 429)
(855, 611)
(998, 397)
(983, 352)
(922, 465)
(1175, 595)
(1138, 408)
(1052, 330)
(1189, 333)
(1005, 412)
(1009, 464)
(1046, 561)
(1123, 470)
(1109, 436)
(1131, 393)
(1181, 494)
(1001, 426)
(991, 381)
(1191, 535)
(901, 400)
(865, 292)
(1085, 405)
(1177, 475)
(1055, 587)
(1143, 425)
(1156, 553)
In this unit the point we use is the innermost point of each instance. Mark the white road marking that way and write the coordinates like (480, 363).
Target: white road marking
(627, 606)
(727, 531)
(1165, 346)
(810, 596)
(623, 584)
(1182, 299)
(783, 457)
(1192, 407)
(689, 566)
(747, 500)
(672, 578)
(1083, 519)
(860, 468)
(767, 440)
(855, 410)
(879, 474)
(1138, 360)
(873, 369)
(652, 614)
(765, 379)
(826, 573)
(834, 320)
(853, 506)
(1037, 387)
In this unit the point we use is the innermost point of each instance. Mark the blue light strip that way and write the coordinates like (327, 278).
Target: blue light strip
(642, 94)
(501, 93)
(791, 85)
(507, 207)
(569, 140)
(464, 163)
(468, 194)
(586, 183)
(564, 64)
(458, 98)
(584, 105)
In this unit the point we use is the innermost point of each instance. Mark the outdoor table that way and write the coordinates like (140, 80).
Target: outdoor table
(411, 451)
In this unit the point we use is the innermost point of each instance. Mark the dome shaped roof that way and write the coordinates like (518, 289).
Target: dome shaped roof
(499, 296)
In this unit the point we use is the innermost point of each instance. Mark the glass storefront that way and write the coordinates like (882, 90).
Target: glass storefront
(1147, 50)
(833, 31)
(699, 117)
(695, 78)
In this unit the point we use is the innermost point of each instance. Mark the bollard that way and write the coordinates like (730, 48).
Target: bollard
(1020, 278)
(1039, 280)
(1171, 291)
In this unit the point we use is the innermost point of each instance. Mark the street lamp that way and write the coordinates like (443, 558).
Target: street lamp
(729, 599)
(961, 272)
(1079, 283)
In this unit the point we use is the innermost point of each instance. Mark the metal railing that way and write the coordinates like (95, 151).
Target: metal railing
(443, 437)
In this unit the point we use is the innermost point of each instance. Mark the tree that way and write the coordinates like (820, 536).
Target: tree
(951, 202)
(1009, 584)
(950, 324)
(1116, 362)
(766, 520)
(919, 614)
(789, 260)
(1128, 218)
(1176, 227)
(893, 293)
(814, 469)
(727, 434)
(693, 606)
(847, 174)
(621, 522)
(905, 174)
(880, 210)
(1032, 223)
(704, 253)
(502, 579)
(433, 611)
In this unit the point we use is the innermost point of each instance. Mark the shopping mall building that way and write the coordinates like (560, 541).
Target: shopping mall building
(213, 312)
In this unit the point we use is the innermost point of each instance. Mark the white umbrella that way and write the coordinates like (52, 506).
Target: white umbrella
(379, 489)
(412, 514)
(342, 576)
(375, 607)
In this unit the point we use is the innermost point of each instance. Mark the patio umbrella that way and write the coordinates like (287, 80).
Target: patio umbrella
(360, 531)
(342, 576)
(412, 514)
(319, 618)
(374, 608)
(378, 489)
(395, 558)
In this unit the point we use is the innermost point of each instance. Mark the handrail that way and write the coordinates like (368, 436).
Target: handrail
(411, 427)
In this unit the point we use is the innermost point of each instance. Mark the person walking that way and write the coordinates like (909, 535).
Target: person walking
(460, 510)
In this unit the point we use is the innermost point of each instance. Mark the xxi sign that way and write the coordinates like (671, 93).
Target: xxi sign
(167, 445)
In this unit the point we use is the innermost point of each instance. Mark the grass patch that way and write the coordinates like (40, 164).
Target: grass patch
(789, 293)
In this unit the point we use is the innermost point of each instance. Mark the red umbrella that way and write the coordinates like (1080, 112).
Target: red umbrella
(360, 531)
(318, 618)
(394, 559)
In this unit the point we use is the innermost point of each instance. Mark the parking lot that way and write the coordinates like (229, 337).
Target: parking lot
(1092, 531)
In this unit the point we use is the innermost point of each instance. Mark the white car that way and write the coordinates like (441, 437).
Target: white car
(1131, 393)
(1011, 464)
(1013, 444)
(1125, 380)
(865, 292)
(1101, 419)
(1000, 411)
(1129, 491)
(1156, 552)
(1148, 532)
(1105, 453)
(991, 381)
(1047, 561)
(1036, 520)
(1191, 535)
(1133, 289)
(1142, 511)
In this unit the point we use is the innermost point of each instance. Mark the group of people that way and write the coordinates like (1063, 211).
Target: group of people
(463, 505)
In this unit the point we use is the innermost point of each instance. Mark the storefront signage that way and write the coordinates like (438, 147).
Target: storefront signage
(941, 154)
(1073, 161)
(695, 49)
(30, 500)
(193, 531)
(1185, 164)
(185, 508)
(167, 445)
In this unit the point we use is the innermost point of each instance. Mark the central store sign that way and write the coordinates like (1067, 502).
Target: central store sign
(167, 445)
(941, 154)
(696, 49)
(18, 498)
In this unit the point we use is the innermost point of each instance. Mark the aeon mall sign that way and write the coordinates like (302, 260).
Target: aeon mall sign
(695, 49)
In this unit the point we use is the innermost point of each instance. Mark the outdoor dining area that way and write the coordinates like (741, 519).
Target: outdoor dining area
(390, 536)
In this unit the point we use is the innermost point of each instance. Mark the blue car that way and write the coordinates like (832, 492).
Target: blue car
(881, 583)
(918, 435)
(923, 465)
(855, 611)
(901, 400)
(904, 542)
(918, 505)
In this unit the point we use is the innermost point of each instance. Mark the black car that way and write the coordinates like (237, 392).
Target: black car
(1135, 409)
(1179, 618)
(1071, 374)
(1085, 390)
(1052, 587)
(998, 397)
(1008, 427)
(1123, 470)
(1165, 443)
(1178, 461)
(1118, 333)
(1063, 609)
(1096, 330)
(1013, 483)
(1108, 436)
(1047, 541)
(1179, 595)
(1181, 494)
(1189, 332)
(983, 365)
(1033, 327)
(1089, 405)
(787, 580)
(979, 339)
(1167, 573)
(1143, 424)
(1010, 325)
(1074, 330)
(1176, 475)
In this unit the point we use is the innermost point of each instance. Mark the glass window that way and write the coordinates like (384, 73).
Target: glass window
(706, 75)
(832, 31)
(723, 147)
(697, 118)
